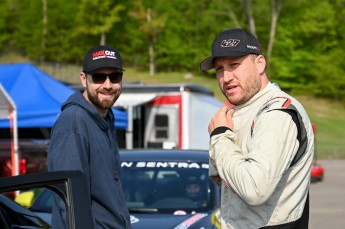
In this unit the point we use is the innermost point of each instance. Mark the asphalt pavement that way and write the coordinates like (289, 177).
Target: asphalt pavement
(327, 198)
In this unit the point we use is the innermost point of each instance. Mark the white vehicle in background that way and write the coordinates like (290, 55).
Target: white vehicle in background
(167, 116)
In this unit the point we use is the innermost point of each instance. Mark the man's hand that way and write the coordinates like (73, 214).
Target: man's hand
(216, 179)
(223, 117)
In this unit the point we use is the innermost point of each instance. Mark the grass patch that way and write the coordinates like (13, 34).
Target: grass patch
(329, 118)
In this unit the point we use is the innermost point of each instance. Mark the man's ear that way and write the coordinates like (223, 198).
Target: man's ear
(261, 63)
(83, 79)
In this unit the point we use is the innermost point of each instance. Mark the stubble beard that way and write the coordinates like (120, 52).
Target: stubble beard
(252, 86)
(104, 105)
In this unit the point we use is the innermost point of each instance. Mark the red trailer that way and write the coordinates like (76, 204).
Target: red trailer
(167, 116)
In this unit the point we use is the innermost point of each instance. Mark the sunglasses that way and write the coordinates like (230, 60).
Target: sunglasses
(100, 78)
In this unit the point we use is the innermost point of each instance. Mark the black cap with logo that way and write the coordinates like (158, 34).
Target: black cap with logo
(232, 43)
(100, 57)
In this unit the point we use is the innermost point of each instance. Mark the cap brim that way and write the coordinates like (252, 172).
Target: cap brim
(104, 65)
(207, 64)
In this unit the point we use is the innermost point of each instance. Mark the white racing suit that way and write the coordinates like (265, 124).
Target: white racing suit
(264, 163)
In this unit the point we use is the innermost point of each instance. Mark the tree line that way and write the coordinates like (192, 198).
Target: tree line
(302, 40)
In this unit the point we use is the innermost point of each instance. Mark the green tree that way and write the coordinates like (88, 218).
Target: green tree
(28, 28)
(97, 17)
(188, 33)
(59, 38)
(6, 23)
(151, 25)
(302, 40)
(308, 50)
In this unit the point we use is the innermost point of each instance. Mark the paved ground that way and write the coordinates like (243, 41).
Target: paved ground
(327, 198)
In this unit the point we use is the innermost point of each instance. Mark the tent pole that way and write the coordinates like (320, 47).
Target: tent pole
(14, 142)
(129, 132)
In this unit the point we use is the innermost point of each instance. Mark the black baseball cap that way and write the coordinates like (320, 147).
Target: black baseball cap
(232, 43)
(100, 57)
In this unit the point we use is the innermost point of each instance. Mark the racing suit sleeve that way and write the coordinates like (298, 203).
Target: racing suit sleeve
(254, 174)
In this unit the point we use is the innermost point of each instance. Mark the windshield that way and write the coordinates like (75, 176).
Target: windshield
(158, 186)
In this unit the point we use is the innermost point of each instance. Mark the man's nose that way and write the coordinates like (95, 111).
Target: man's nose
(228, 76)
(107, 82)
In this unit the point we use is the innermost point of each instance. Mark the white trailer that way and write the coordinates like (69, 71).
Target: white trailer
(167, 116)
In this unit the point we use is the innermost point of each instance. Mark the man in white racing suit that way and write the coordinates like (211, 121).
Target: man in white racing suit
(261, 147)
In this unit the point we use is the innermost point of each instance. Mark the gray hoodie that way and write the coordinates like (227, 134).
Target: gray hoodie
(82, 139)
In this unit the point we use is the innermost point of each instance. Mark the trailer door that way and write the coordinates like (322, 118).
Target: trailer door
(162, 126)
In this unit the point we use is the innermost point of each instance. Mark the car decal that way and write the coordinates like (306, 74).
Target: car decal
(164, 164)
(215, 218)
(190, 221)
(180, 212)
(133, 219)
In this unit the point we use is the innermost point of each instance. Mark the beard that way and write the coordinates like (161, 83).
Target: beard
(103, 105)
(249, 88)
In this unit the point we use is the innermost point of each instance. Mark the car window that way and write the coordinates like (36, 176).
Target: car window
(167, 186)
(43, 202)
(14, 214)
(69, 185)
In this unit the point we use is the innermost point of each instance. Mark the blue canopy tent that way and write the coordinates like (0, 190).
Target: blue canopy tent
(38, 96)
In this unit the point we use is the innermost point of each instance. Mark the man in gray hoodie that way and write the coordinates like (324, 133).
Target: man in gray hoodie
(84, 138)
